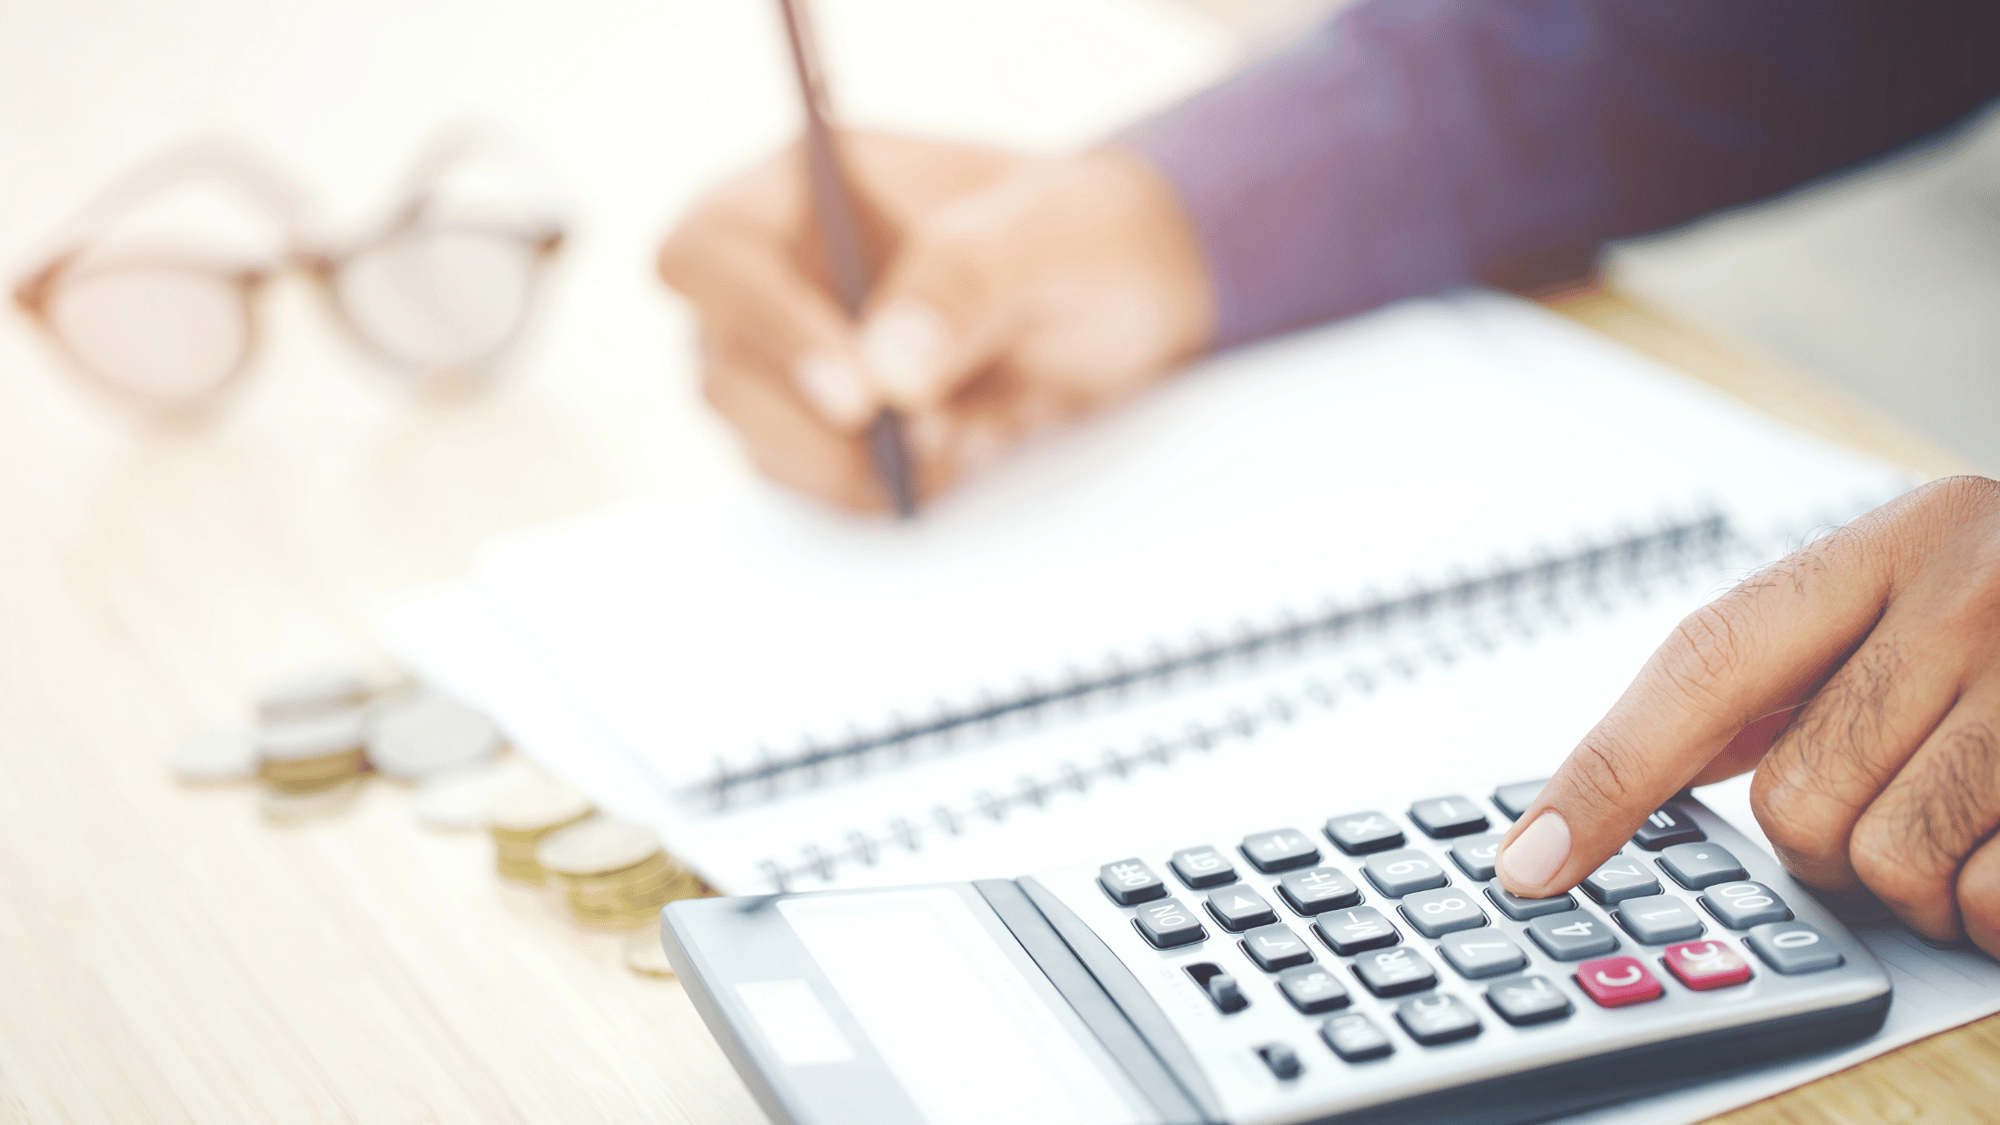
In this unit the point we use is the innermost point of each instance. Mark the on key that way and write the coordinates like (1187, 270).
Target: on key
(1617, 981)
(1130, 882)
(1167, 924)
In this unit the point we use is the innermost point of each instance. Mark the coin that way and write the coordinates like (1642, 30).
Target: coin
(225, 755)
(597, 846)
(315, 752)
(646, 956)
(427, 734)
(520, 815)
(283, 807)
(459, 798)
(310, 691)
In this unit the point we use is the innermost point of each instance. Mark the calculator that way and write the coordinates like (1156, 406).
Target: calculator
(1367, 969)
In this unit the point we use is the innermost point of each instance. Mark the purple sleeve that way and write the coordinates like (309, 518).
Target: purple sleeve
(1407, 146)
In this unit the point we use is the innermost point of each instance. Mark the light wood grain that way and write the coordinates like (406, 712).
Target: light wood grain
(171, 957)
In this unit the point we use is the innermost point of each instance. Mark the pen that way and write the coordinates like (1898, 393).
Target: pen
(840, 232)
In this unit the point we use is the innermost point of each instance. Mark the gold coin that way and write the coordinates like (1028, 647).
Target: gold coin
(216, 756)
(282, 807)
(314, 736)
(519, 816)
(597, 846)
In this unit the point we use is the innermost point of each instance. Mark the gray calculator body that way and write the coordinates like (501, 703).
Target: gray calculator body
(1042, 999)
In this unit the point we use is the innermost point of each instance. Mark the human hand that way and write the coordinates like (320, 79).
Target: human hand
(1860, 676)
(1014, 292)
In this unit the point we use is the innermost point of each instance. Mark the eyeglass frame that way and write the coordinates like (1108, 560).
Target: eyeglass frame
(280, 200)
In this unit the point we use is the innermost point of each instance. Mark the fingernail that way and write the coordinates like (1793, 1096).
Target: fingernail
(834, 387)
(904, 345)
(1538, 853)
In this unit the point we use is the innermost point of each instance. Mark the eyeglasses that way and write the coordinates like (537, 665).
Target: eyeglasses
(439, 292)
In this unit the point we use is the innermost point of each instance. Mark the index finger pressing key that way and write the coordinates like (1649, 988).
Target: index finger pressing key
(1755, 650)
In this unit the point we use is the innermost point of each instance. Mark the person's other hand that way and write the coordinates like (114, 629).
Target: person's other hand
(1861, 677)
(1011, 292)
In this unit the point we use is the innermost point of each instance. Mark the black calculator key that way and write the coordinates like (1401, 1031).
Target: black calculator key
(1525, 1000)
(1395, 972)
(1240, 908)
(1700, 866)
(1281, 1059)
(1354, 1038)
(1225, 992)
(1794, 947)
(1130, 882)
(1666, 827)
(1474, 855)
(1481, 953)
(1444, 817)
(1352, 931)
(1402, 871)
(1743, 905)
(1313, 989)
(1364, 832)
(1432, 1020)
(1514, 799)
(1167, 924)
(1442, 911)
(1620, 878)
(1659, 919)
(1276, 947)
(1319, 890)
(1283, 850)
(1203, 867)
(1521, 909)
(1573, 936)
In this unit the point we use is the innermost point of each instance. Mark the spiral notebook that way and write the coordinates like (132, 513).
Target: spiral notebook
(1365, 536)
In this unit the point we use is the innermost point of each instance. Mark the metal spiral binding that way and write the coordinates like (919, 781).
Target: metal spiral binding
(1551, 592)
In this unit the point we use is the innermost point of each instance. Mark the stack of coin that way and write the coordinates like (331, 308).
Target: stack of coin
(615, 872)
(305, 754)
(521, 817)
(426, 734)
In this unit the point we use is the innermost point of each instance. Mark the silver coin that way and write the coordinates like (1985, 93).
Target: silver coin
(313, 736)
(459, 798)
(310, 691)
(596, 846)
(428, 734)
(223, 755)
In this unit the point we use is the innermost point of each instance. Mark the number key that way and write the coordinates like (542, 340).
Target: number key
(1521, 909)
(1572, 936)
(1484, 952)
(1364, 832)
(1743, 905)
(1794, 947)
(1400, 872)
(1474, 855)
(1167, 924)
(1659, 919)
(1203, 867)
(1439, 912)
(1130, 882)
(1620, 878)
(1283, 850)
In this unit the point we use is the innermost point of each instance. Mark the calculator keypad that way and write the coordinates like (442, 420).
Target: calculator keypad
(1357, 947)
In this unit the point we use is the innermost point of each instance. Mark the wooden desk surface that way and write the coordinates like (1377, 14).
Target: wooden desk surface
(170, 956)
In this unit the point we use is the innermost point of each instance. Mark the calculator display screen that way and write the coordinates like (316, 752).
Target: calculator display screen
(952, 1015)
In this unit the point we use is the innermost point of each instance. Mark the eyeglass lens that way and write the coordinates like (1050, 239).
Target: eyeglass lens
(167, 333)
(438, 300)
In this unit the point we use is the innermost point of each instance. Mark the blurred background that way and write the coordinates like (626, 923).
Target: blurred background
(1885, 286)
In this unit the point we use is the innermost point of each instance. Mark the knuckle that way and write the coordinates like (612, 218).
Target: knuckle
(1979, 897)
(1795, 820)
(1604, 768)
(1707, 649)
